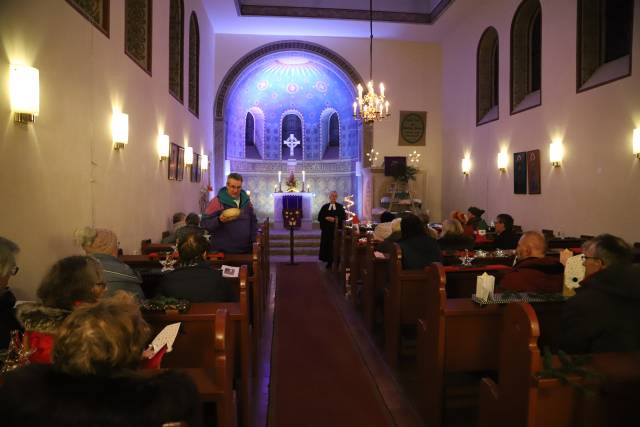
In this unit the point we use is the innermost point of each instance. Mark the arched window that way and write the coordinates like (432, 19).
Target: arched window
(526, 32)
(605, 37)
(138, 16)
(292, 125)
(334, 131)
(249, 131)
(176, 49)
(487, 77)
(194, 64)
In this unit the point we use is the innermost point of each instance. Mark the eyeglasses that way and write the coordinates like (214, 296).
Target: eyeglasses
(14, 270)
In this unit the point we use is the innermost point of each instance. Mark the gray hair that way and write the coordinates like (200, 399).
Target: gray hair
(8, 252)
(610, 249)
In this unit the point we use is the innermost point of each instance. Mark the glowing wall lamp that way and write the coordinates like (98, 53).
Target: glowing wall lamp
(636, 142)
(163, 147)
(556, 152)
(204, 162)
(24, 87)
(466, 165)
(188, 156)
(120, 129)
(503, 161)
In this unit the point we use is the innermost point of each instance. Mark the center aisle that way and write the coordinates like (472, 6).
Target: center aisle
(318, 377)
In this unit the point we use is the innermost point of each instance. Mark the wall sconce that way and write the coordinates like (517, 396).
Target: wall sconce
(120, 129)
(24, 88)
(163, 147)
(188, 156)
(466, 165)
(636, 142)
(556, 152)
(204, 162)
(503, 161)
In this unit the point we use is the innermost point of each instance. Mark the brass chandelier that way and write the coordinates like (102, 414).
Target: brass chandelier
(372, 106)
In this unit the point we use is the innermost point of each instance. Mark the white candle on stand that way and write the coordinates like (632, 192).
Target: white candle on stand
(303, 178)
(279, 177)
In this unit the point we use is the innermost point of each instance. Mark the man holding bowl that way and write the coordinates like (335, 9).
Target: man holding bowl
(230, 218)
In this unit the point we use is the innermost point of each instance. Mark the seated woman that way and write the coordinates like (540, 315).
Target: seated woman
(71, 281)
(93, 380)
(194, 279)
(103, 245)
(8, 268)
(453, 237)
(192, 227)
(418, 248)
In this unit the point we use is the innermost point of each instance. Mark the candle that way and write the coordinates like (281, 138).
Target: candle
(303, 177)
(275, 188)
(386, 104)
(279, 177)
(359, 91)
(355, 106)
(382, 89)
(308, 188)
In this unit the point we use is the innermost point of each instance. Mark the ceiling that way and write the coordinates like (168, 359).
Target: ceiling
(394, 19)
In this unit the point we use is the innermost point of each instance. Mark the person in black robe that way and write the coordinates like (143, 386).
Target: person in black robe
(329, 214)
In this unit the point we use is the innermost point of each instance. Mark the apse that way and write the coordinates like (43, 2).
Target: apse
(292, 110)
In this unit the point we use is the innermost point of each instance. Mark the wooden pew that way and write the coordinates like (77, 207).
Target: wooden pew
(520, 398)
(344, 266)
(402, 301)
(405, 296)
(357, 264)
(455, 336)
(192, 351)
(374, 275)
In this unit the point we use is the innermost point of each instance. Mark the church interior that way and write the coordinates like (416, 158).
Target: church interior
(143, 108)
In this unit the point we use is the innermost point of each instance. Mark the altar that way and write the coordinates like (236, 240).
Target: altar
(307, 209)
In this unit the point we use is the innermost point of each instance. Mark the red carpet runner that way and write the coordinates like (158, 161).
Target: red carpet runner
(318, 377)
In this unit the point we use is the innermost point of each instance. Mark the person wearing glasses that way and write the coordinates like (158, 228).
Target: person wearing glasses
(604, 315)
(230, 218)
(506, 238)
(71, 282)
(8, 268)
(533, 271)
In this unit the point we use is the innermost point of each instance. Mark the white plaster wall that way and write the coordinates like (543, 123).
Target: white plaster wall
(62, 172)
(597, 187)
(411, 72)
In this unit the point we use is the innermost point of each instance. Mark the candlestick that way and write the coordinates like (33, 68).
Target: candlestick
(275, 188)
(308, 188)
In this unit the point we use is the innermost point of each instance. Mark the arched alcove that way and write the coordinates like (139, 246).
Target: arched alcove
(279, 80)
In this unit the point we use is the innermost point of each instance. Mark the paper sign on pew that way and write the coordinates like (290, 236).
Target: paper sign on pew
(166, 337)
(484, 286)
(230, 271)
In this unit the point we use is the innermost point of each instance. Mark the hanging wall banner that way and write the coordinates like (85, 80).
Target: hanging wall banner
(520, 173)
(413, 128)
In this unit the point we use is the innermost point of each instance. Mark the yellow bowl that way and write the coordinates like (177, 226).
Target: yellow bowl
(231, 213)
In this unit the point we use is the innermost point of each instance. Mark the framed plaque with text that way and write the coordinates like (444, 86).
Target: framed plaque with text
(413, 128)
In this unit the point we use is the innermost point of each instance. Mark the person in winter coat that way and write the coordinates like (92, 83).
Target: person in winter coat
(604, 315)
(232, 232)
(533, 271)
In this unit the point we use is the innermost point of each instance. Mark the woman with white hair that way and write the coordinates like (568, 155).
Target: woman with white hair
(8, 268)
(102, 244)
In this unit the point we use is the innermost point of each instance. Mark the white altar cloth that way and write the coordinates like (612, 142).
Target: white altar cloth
(307, 206)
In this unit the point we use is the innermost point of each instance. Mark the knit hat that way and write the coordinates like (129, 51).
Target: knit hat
(97, 240)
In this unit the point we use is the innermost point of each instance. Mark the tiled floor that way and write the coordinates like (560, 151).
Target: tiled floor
(403, 413)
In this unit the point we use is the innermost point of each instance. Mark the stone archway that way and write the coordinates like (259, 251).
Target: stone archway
(219, 144)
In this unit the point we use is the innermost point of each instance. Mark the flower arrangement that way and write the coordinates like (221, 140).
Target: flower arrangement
(291, 183)
(404, 174)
